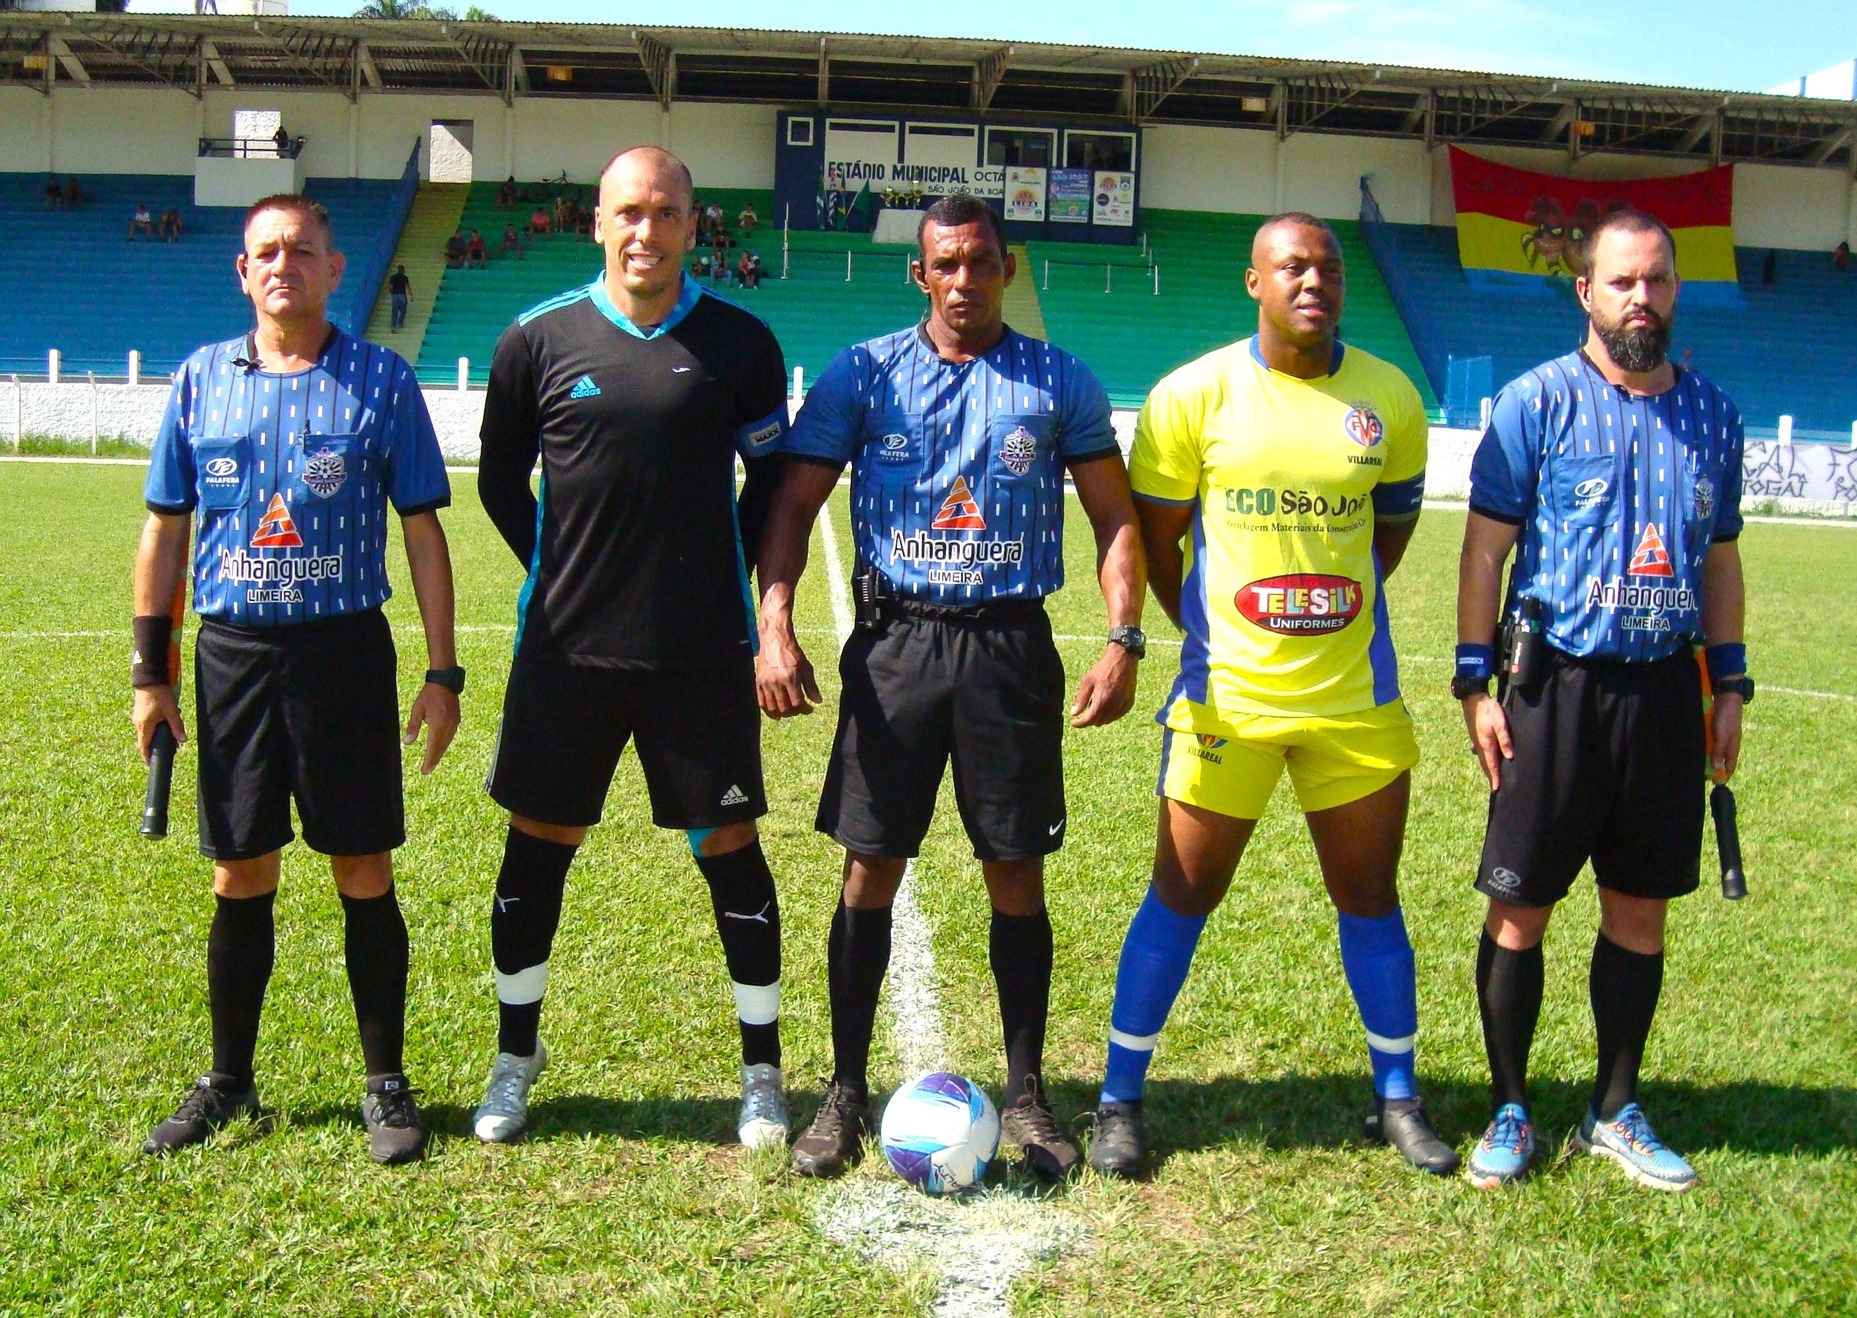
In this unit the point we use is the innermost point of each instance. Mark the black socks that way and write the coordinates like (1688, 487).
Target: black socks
(1624, 987)
(523, 919)
(375, 945)
(1509, 998)
(240, 951)
(741, 891)
(857, 955)
(1019, 948)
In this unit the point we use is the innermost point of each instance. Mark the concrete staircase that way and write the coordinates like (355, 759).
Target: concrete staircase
(1022, 310)
(434, 218)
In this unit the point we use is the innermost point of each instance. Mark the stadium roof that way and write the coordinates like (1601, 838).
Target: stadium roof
(851, 72)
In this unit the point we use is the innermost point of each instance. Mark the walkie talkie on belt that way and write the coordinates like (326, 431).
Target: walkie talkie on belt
(1521, 643)
(869, 589)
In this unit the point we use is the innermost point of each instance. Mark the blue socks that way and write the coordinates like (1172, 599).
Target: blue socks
(1156, 954)
(1377, 957)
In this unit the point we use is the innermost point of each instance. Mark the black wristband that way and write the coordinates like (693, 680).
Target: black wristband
(148, 665)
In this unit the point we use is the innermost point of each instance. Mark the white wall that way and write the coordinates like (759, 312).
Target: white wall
(726, 146)
(1249, 171)
(23, 116)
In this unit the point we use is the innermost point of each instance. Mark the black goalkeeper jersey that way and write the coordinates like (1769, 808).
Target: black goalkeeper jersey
(637, 550)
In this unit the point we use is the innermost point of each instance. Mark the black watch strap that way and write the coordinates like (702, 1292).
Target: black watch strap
(1464, 686)
(452, 679)
(1742, 686)
(1130, 638)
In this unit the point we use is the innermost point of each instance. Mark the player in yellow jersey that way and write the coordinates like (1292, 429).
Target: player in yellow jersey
(1278, 482)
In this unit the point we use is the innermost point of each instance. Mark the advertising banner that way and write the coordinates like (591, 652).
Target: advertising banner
(1068, 196)
(1516, 225)
(1025, 193)
(1114, 197)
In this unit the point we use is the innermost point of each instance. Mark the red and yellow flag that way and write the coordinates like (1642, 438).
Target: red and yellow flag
(1513, 222)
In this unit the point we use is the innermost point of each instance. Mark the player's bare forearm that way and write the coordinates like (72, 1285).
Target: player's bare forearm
(1487, 543)
(1724, 596)
(1390, 540)
(1163, 532)
(1121, 566)
(161, 561)
(428, 559)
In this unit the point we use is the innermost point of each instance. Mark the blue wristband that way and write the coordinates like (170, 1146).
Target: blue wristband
(1476, 661)
(1728, 659)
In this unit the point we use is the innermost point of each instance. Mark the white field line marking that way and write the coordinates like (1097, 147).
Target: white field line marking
(974, 1247)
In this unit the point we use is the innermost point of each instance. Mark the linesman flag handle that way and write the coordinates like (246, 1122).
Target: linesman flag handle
(161, 745)
(1721, 802)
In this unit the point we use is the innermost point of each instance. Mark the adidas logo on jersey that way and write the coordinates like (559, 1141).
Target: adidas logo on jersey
(585, 388)
(734, 796)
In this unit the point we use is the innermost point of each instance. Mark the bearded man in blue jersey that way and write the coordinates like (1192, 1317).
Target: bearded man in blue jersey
(290, 443)
(1616, 479)
(959, 432)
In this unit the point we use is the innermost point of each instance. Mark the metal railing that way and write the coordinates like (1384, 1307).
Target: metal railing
(251, 148)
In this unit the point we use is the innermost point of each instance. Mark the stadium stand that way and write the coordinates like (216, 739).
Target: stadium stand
(1131, 337)
(73, 283)
(1786, 350)
(433, 218)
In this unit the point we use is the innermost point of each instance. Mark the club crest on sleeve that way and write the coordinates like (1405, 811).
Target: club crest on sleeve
(325, 472)
(1362, 425)
(1019, 450)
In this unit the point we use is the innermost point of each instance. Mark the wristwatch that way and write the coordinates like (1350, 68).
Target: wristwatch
(1464, 686)
(1742, 686)
(1130, 638)
(452, 679)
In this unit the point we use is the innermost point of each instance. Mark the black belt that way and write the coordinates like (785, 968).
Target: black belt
(1006, 610)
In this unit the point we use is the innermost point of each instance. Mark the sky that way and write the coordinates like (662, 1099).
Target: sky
(1728, 45)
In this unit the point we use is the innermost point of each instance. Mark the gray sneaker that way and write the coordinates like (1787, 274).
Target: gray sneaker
(211, 1104)
(1118, 1149)
(396, 1133)
(763, 1118)
(504, 1112)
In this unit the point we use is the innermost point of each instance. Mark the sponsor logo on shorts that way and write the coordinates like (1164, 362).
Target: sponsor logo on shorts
(276, 530)
(1301, 603)
(1019, 450)
(958, 511)
(1650, 558)
(734, 796)
(1207, 747)
(1705, 498)
(1362, 425)
(325, 472)
(1505, 880)
(1588, 494)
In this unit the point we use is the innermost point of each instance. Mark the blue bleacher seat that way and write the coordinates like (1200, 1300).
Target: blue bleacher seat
(70, 280)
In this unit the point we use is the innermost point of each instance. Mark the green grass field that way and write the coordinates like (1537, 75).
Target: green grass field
(630, 1197)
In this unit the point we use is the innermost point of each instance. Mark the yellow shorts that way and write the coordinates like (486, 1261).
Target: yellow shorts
(1332, 761)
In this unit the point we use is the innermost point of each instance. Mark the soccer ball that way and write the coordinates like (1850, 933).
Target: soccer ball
(940, 1132)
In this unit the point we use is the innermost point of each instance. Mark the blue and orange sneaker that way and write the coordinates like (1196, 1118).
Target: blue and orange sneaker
(1629, 1141)
(1506, 1151)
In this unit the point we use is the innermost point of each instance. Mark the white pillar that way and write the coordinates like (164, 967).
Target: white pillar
(1786, 431)
(799, 389)
(135, 367)
(464, 374)
(52, 360)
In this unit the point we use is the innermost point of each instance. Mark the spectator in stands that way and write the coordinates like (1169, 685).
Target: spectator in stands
(539, 222)
(564, 215)
(54, 195)
(583, 222)
(1769, 268)
(702, 223)
(1841, 256)
(719, 267)
(74, 195)
(282, 139)
(454, 251)
(476, 252)
(748, 221)
(170, 225)
(714, 211)
(142, 222)
(700, 266)
(506, 195)
(748, 270)
(399, 297)
(512, 241)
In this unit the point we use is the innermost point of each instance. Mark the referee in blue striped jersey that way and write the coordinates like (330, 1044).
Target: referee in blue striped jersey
(1615, 477)
(289, 443)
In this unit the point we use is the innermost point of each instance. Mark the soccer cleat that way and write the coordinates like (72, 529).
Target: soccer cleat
(1506, 1151)
(1118, 1148)
(1047, 1150)
(504, 1112)
(1629, 1141)
(210, 1105)
(1401, 1123)
(764, 1107)
(395, 1132)
(835, 1139)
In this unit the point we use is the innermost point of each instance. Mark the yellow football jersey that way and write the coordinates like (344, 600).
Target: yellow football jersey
(1281, 600)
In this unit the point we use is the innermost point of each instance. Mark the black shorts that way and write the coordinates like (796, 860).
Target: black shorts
(564, 726)
(310, 711)
(987, 693)
(1609, 766)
